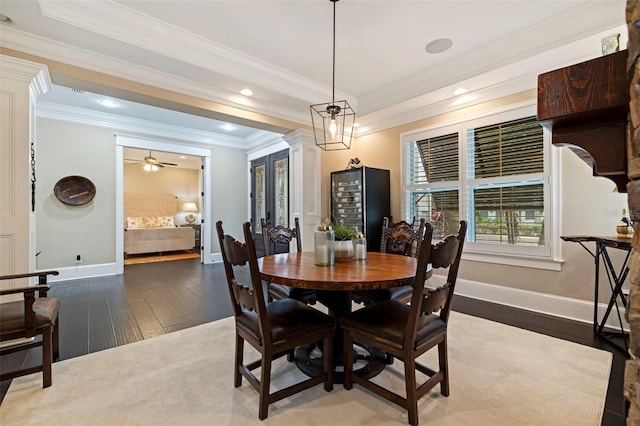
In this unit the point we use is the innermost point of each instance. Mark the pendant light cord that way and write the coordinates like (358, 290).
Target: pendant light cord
(333, 86)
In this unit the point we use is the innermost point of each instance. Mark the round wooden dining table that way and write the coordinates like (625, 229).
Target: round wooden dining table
(333, 285)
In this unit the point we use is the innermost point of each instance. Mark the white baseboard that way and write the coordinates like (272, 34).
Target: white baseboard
(83, 271)
(549, 304)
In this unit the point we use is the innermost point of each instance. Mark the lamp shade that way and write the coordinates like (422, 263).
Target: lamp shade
(189, 207)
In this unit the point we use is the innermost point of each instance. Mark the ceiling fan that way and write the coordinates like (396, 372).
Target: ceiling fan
(151, 164)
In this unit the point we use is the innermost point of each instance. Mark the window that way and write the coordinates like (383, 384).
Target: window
(491, 171)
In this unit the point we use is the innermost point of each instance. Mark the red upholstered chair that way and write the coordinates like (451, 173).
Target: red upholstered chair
(35, 317)
(407, 331)
(273, 329)
(277, 240)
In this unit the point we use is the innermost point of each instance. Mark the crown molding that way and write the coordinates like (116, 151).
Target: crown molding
(134, 125)
(577, 23)
(121, 23)
(510, 79)
(46, 48)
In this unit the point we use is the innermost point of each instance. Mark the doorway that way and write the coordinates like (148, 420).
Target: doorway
(269, 193)
(204, 195)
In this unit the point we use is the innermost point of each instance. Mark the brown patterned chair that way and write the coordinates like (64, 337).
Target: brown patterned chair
(277, 240)
(408, 331)
(32, 317)
(273, 329)
(398, 238)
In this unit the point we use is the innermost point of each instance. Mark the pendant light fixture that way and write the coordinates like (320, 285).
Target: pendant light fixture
(333, 121)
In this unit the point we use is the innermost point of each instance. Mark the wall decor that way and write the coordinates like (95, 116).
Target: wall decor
(74, 190)
(33, 178)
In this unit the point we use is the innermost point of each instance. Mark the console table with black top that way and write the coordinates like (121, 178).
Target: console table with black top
(615, 279)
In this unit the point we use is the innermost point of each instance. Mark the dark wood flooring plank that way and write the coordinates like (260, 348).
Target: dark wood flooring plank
(148, 323)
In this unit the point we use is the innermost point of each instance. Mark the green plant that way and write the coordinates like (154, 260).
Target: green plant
(343, 233)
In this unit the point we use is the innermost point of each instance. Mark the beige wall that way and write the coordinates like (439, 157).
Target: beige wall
(596, 214)
(181, 183)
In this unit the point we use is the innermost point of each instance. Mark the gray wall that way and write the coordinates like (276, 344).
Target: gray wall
(62, 231)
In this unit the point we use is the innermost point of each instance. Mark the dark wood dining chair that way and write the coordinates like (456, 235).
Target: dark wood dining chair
(273, 329)
(408, 331)
(34, 318)
(277, 239)
(398, 238)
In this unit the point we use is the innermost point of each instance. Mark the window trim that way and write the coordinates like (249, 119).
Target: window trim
(547, 257)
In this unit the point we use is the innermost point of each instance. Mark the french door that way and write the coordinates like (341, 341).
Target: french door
(269, 192)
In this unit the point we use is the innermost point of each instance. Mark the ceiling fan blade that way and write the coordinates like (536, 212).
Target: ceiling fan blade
(167, 164)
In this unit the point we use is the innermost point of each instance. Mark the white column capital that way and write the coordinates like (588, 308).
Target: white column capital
(299, 137)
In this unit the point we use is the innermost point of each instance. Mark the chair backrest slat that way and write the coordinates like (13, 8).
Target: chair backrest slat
(400, 238)
(446, 254)
(244, 295)
(235, 250)
(279, 234)
(443, 254)
(435, 300)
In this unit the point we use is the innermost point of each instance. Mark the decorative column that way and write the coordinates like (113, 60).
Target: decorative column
(20, 83)
(632, 368)
(304, 181)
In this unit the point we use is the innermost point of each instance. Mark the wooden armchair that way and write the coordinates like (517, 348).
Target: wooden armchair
(30, 318)
(273, 329)
(398, 238)
(276, 240)
(408, 331)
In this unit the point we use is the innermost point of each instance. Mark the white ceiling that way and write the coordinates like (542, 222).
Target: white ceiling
(282, 50)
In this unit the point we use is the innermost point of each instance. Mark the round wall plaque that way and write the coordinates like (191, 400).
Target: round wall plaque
(74, 190)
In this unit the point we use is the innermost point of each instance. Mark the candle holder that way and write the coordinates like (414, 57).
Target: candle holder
(359, 248)
(323, 244)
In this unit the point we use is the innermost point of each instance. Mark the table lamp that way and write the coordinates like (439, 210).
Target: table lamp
(190, 207)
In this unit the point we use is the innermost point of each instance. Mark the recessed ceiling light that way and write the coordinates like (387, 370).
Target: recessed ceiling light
(108, 103)
(4, 18)
(228, 127)
(246, 92)
(460, 91)
(356, 125)
(438, 45)
(182, 157)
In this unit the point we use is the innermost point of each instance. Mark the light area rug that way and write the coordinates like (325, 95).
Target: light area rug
(500, 375)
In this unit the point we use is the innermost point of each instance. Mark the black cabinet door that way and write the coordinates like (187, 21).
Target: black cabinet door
(360, 199)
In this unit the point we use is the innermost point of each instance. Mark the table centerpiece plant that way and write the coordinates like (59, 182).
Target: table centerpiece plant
(343, 244)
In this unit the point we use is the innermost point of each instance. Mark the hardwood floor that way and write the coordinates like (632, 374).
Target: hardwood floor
(153, 299)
